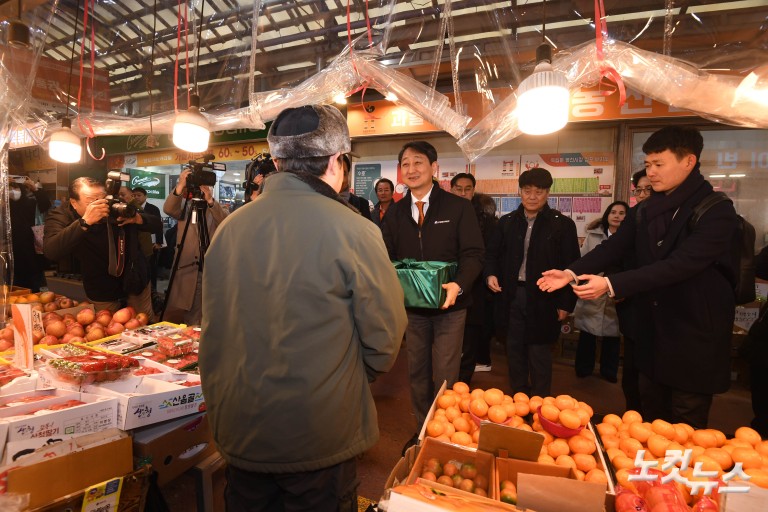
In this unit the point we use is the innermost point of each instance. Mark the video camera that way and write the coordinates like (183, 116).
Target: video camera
(260, 164)
(117, 208)
(202, 174)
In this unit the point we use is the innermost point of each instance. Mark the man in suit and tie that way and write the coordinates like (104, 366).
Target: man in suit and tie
(150, 248)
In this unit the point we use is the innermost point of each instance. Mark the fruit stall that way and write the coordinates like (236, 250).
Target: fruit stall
(102, 397)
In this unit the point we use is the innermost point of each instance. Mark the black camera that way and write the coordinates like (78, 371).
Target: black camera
(263, 165)
(202, 174)
(117, 208)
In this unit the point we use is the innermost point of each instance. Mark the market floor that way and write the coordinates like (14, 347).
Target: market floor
(397, 423)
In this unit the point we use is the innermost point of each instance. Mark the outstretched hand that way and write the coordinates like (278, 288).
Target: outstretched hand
(553, 280)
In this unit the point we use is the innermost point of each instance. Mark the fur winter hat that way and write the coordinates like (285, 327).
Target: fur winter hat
(309, 131)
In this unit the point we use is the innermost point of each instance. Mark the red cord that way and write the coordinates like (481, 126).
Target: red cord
(176, 65)
(606, 71)
(186, 48)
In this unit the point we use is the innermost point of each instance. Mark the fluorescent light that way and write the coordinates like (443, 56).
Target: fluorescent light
(717, 175)
(737, 175)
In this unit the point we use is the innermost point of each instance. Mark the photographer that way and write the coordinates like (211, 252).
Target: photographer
(255, 174)
(185, 301)
(91, 227)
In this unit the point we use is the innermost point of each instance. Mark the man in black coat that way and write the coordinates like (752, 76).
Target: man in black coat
(683, 285)
(526, 242)
(26, 199)
(430, 224)
(80, 227)
(151, 252)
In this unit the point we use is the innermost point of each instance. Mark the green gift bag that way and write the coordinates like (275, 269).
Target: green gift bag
(422, 281)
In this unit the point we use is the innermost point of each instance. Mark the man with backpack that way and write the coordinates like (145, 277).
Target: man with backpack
(683, 285)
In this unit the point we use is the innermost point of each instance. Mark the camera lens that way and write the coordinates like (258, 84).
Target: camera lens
(122, 210)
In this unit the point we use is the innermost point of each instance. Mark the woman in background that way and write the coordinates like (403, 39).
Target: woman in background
(597, 318)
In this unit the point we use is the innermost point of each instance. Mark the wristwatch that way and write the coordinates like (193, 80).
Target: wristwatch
(83, 224)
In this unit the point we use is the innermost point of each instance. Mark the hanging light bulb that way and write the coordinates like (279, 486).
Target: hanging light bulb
(191, 130)
(64, 145)
(542, 98)
(18, 31)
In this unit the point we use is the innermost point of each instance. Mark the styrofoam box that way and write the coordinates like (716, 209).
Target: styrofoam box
(20, 384)
(31, 431)
(152, 399)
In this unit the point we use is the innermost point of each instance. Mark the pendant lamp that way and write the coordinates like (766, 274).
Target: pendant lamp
(191, 130)
(64, 145)
(542, 98)
(18, 31)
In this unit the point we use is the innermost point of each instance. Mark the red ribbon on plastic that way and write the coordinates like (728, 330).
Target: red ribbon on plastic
(605, 70)
(349, 40)
(86, 127)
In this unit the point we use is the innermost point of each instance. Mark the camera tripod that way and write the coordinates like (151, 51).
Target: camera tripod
(195, 213)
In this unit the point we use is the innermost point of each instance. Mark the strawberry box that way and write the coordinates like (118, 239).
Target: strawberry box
(176, 345)
(91, 368)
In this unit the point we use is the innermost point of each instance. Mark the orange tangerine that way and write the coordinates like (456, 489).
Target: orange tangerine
(704, 438)
(739, 443)
(588, 434)
(610, 442)
(478, 407)
(707, 463)
(720, 437)
(550, 412)
(749, 435)
(444, 438)
(580, 444)
(663, 428)
(697, 450)
(622, 478)
(681, 433)
(477, 393)
(516, 421)
(565, 461)
(524, 426)
(497, 414)
(507, 400)
(546, 459)
(583, 416)
(612, 452)
(762, 448)
(558, 447)
(536, 426)
(461, 438)
(460, 387)
(510, 408)
(631, 417)
(586, 407)
(569, 419)
(435, 428)
(722, 457)
(657, 445)
(522, 408)
(759, 477)
(606, 429)
(622, 462)
(630, 446)
(439, 413)
(597, 476)
(548, 400)
(548, 438)
(640, 431)
(452, 412)
(464, 403)
(584, 462)
(449, 429)
(748, 457)
(476, 436)
(493, 396)
(535, 402)
(445, 401)
(612, 419)
(565, 402)
(521, 397)
(461, 425)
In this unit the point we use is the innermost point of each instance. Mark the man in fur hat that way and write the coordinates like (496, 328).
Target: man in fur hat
(295, 326)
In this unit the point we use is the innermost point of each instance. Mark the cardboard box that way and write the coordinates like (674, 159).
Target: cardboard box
(756, 500)
(426, 496)
(173, 447)
(28, 432)
(53, 478)
(14, 291)
(152, 399)
(446, 452)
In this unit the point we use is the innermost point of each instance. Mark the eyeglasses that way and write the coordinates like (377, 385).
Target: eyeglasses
(643, 190)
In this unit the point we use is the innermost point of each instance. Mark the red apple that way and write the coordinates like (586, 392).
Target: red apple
(133, 323)
(68, 315)
(104, 317)
(49, 340)
(36, 306)
(69, 321)
(47, 297)
(37, 335)
(5, 345)
(95, 334)
(122, 315)
(6, 334)
(50, 306)
(85, 316)
(143, 318)
(75, 303)
(132, 311)
(65, 303)
(77, 339)
(115, 328)
(66, 338)
(75, 329)
(51, 316)
(56, 328)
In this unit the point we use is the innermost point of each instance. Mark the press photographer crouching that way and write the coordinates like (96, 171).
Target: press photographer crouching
(255, 173)
(102, 232)
(199, 214)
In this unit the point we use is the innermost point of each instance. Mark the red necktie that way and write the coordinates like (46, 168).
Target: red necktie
(420, 206)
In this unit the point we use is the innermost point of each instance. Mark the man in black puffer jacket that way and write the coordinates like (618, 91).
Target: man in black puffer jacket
(430, 224)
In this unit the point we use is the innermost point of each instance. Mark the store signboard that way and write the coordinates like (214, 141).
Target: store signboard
(153, 182)
(164, 142)
(365, 177)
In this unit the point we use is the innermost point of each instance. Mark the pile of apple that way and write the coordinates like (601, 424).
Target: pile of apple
(87, 325)
(44, 301)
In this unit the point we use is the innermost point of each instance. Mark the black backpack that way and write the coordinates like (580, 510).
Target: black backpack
(742, 263)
